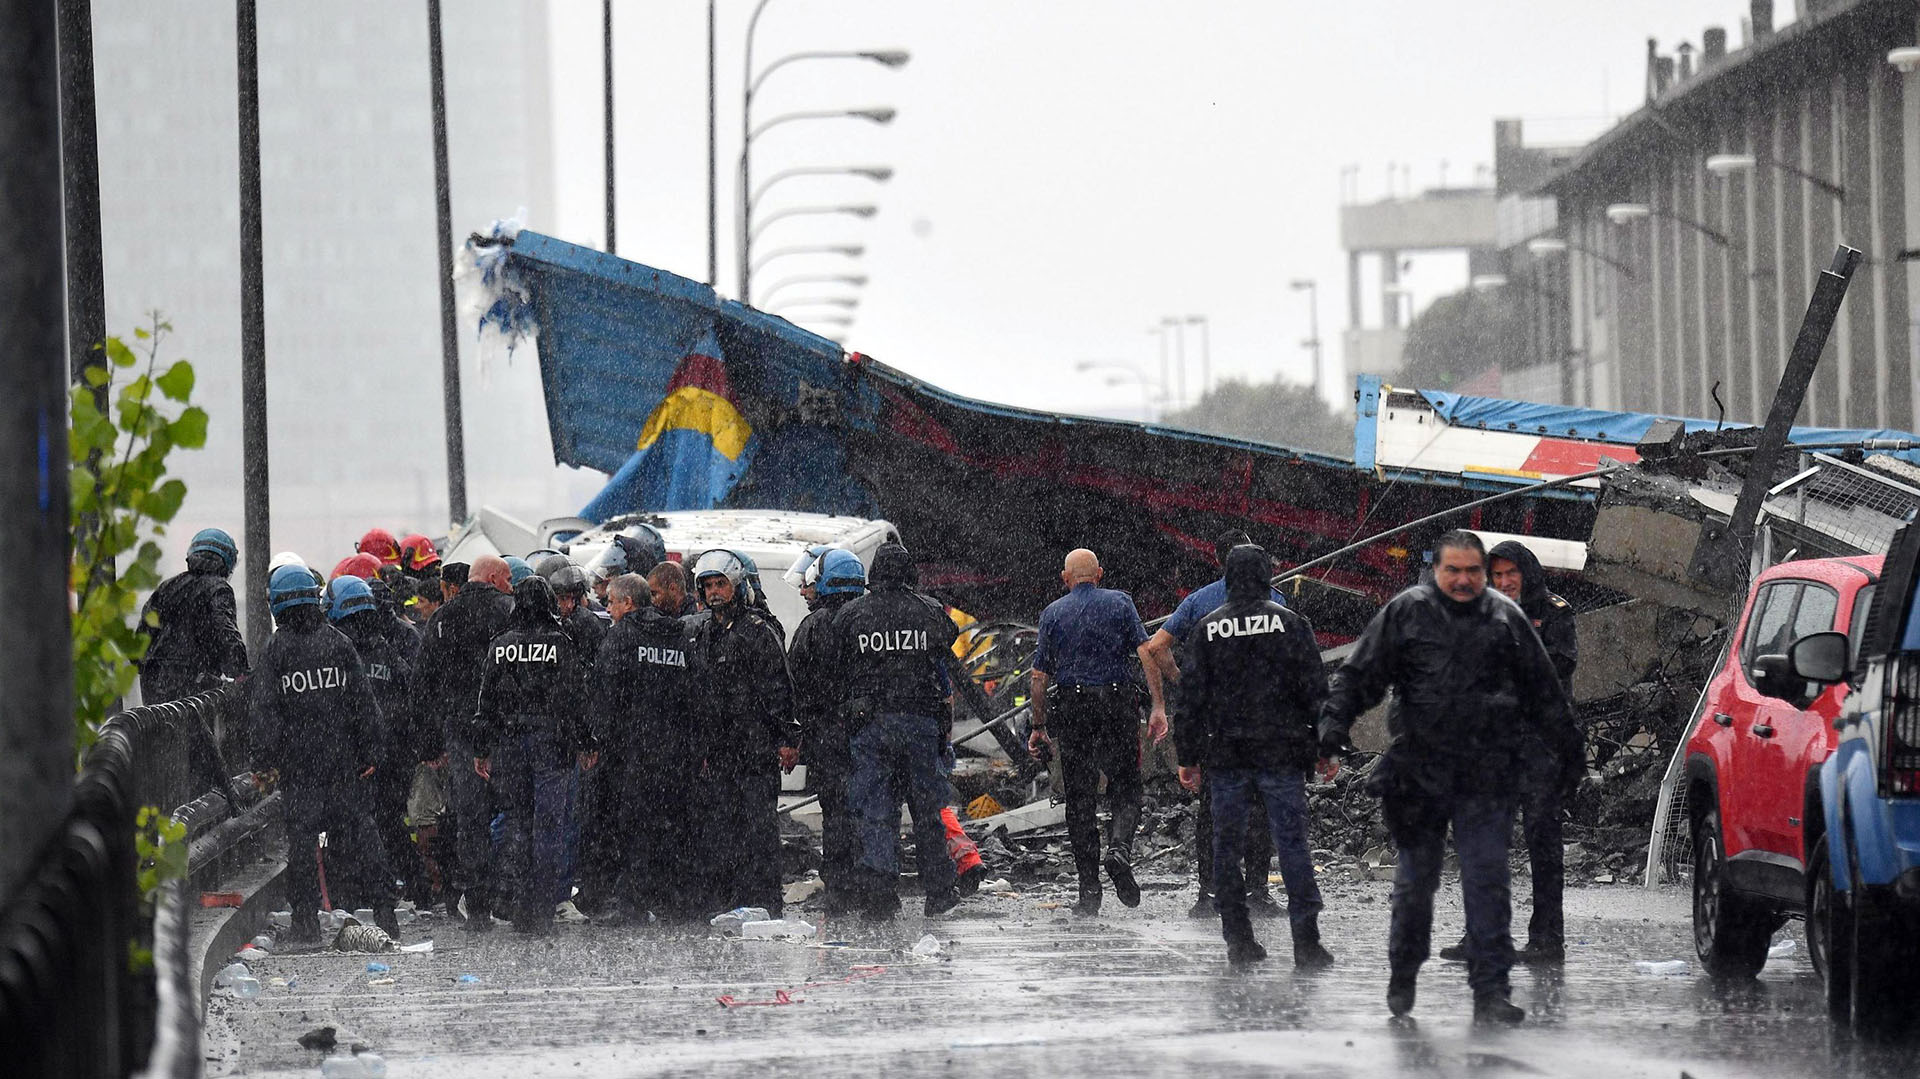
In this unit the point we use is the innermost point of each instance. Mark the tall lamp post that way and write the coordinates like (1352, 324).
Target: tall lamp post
(1178, 329)
(747, 229)
(1311, 287)
(1206, 351)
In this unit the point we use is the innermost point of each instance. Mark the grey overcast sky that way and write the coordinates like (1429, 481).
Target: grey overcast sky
(1071, 171)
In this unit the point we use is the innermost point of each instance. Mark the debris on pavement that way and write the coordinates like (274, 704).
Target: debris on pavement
(363, 938)
(320, 1039)
(729, 923)
(772, 928)
(802, 890)
(1665, 968)
(927, 947)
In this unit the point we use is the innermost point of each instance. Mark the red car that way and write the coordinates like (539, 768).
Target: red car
(1752, 767)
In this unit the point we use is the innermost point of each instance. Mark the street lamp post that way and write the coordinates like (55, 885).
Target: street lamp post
(606, 52)
(860, 210)
(1127, 369)
(1543, 246)
(879, 174)
(1626, 213)
(1179, 356)
(1206, 351)
(1312, 288)
(747, 230)
(852, 251)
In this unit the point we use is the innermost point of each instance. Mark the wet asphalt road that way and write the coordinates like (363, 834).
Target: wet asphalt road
(1023, 990)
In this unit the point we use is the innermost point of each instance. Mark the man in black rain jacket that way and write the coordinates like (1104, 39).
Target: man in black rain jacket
(818, 694)
(744, 700)
(445, 686)
(313, 718)
(1252, 690)
(640, 688)
(526, 736)
(894, 643)
(1470, 682)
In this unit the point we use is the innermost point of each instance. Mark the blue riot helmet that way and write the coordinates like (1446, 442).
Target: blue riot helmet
(841, 573)
(348, 595)
(721, 563)
(213, 541)
(547, 565)
(290, 587)
(534, 557)
(637, 553)
(517, 569)
(805, 569)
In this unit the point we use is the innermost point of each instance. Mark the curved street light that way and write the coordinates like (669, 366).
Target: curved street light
(848, 302)
(856, 280)
(852, 251)
(1543, 246)
(883, 57)
(860, 210)
(877, 115)
(879, 174)
(1626, 213)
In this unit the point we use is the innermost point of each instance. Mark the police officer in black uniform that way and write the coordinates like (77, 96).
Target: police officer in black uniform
(818, 693)
(1251, 689)
(354, 611)
(894, 643)
(744, 699)
(193, 638)
(1085, 698)
(313, 718)
(641, 691)
(527, 734)
(446, 683)
(1471, 683)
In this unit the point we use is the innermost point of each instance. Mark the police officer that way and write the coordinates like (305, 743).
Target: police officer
(893, 644)
(1162, 646)
(745, 704)
(836, 579)
(1087, 640)
(637, 553)
(586, 626)
(313, 718)
(526, 738)
(1517, 575)
(352, 610)
(1250, 695)
(193, 640)
(641, 690)
(593, 843)
(1471, 683)
(446, 683)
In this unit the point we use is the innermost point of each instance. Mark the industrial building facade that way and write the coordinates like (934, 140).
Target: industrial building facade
(1669, 263)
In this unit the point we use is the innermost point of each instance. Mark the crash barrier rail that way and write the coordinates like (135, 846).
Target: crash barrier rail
(70, 1004)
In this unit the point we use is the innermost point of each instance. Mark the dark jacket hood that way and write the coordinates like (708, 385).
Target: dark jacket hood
(1249, 574)
(892, 567)
(534, 607)
(208, 564)
(1533, 579)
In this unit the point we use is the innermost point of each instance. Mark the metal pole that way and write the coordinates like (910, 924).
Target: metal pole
(1180, 357)
(1313, 330)
(449, 326)
(606, 58)
(80, 183)
(36, 663)
(746, 157)
(713, 158)
(257, 535)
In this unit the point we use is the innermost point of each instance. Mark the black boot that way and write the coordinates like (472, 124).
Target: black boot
(1546, 952)
(1455, 953)
(1242, 947)
(1120, 872)
(941, 902)
(1260, 904)
(1308, 953)
(1089, 904)
(1400, 992)
(479, 915)
(1203, 905)
(1494, 1009)
(1245, 951)
(386, 919)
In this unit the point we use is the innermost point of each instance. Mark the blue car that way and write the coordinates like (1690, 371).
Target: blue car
(1863, 876)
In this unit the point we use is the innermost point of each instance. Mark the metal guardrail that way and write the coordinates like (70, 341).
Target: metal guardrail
(69, 1003)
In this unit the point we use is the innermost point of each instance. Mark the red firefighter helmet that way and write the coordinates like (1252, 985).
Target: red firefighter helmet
(417, 553)
(362, 565)
(380, 543)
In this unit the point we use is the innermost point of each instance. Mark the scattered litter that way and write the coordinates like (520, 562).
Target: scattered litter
(1667, 968)
(780, 927)
(278, 983)
(377, 968)
(997, 886)
(1051, 906)
(927, 946)
(417, 949)
(363, 938)
(1604, 878)
(374, 1065)
(383, 981)
(802, 890)
(347, 1066)
(729, 924)
(1783, 949)
(319, 1038)
(363, 915)
(780, 996)
(404, 915)
(468, 979)
(223, 979)
(264, 943)
(246, 987)
(1380, 862)
(983, 807)
(250, 954)
(989, 1042)
(221, 899)
(281, 919)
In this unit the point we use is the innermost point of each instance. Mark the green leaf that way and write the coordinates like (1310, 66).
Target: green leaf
(177, 383)
(120, 354)
(95, 375)
(164, 501)
(140, 333)
(190, 430)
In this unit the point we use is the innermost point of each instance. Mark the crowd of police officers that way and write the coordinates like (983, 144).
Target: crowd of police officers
(608, 741)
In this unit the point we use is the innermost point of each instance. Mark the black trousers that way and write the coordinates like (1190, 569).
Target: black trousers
(740, 841)
(829, 768)
(1541, 824)
(387, 789)
(657, 859)
(1481, 827)
(1257, 855)
(1097, 732)
(357, 872)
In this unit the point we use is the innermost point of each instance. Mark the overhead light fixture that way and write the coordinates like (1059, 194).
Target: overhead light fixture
(1485, 281)
(1728, 164)
(1906, 59)
(1541, 246)
(1622, 212)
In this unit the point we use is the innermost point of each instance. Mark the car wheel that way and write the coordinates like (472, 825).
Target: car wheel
(1730, 931)
(1879, 999)
(1829, 932)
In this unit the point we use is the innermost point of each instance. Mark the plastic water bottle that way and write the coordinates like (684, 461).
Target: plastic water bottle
(1666, 968)
(224, 979)
(345, 1067)
(374, 1065)
(246, 987)
(363, 915)
(780, 927)
(264, 943)
(1783, 949)
(730, 923)
(927, 946)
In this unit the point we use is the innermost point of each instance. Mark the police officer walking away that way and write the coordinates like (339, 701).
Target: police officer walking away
(1471, 684)
(894, 646)
(313, 718)
(1252, 690)
(193, 640)
(837, 579)
(1087, 639)
(526, 736)
(353, 611)
(446, 684)
(641, 688)
(1517, 575)
(745, 707)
